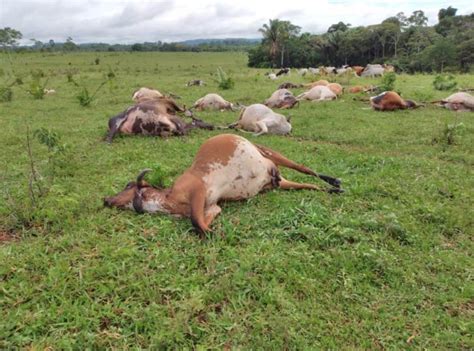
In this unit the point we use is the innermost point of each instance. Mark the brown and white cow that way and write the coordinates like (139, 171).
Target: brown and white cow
(460, 102)
(213, 102)
(390, 101)
(226, 167)
(260, 119)
(153, 117)
(281, 98)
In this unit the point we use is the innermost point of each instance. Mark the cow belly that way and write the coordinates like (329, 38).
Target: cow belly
(244, 176)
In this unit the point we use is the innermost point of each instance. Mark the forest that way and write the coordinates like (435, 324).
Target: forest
(407, 42)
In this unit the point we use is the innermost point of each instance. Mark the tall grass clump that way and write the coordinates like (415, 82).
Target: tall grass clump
(444, 82)
(388, 81)
(223, 80)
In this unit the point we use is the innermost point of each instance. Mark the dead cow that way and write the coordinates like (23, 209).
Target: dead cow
(195, 82)
(282, 98)
(335, 88)
(283, 71)
(390, 101)
(460, 102)
(318, 93)
(260, 119)
(153, 117)
(317, 83)
(213, 102)
(226, 167)
(288, 85)
(144, 94)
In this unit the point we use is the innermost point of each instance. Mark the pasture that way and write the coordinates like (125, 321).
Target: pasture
(386, 265)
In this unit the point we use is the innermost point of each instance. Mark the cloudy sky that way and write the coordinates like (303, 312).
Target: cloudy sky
(129, 21)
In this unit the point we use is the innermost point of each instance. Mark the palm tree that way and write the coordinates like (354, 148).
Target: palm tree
(276, 34)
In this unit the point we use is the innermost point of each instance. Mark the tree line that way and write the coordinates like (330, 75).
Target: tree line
(9, 38)
(404, 41)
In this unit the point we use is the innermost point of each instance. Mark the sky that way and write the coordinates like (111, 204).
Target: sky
(131, 21)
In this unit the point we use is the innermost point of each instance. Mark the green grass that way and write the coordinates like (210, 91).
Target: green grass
(386, 265)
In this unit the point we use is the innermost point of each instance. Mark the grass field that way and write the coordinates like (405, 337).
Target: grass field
(386, 265)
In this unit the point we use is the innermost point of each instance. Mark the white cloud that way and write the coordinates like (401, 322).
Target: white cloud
(127, 21)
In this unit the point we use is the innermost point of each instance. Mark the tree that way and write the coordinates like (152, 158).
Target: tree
(449, 12)
(9, 37)
(441, 54)
(341, 26)
(276, 34)
(418, 19)
(69, 45)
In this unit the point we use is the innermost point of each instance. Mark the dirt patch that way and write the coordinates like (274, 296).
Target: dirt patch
(6, 237)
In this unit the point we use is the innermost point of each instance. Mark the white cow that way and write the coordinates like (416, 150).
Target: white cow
(373, 71)
(213, 102)
(303, 71)
(317, 93)
(281, 98)
(272, 76)
(314, 70)
(144, 94)
(461, 102)
(260, 119)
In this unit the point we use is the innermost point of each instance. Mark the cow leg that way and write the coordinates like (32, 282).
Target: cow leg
(198, 200)
(263, 128)
(289, 185)
(281, 160)
(114, 125)
(211, 213)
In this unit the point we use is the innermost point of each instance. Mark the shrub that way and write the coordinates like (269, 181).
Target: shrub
(450, 134)
(84, 97)
(224, 81)
(444, 82)
(37, 88)
(388, 81)
(6, 94)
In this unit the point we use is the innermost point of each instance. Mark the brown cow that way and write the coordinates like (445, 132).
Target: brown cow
(390, 101)
(226, 167)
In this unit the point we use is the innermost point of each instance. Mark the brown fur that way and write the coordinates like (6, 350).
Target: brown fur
(335, 88)
(358, 70)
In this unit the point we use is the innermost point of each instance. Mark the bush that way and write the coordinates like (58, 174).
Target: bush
(6, 94)
(451, 134)
(37, 88)
(444, 82)
(388, 81)
(224, 82)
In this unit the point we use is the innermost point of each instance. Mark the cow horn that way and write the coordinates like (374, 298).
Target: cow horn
(141, 175)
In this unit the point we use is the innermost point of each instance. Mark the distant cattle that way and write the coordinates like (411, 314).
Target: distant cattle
(281, 98)
(318, 93)
(195, 82)
(390, 101)
(213, 102)
(388, 68)
(260, 119)
(460, 102)
(358, 70)
(313, 70)
(327, 70)
(272, 76)
(303, 71)
(283, 71)
(288, 85)
(373, 71)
